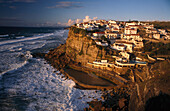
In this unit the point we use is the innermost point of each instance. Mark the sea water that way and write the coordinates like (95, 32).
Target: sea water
(30, 84)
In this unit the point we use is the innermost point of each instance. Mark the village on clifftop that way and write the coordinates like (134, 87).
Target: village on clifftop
(125, 37)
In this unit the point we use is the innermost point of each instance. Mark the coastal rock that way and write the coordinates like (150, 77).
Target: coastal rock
(152, 94)
(77, 49)
(149, 84)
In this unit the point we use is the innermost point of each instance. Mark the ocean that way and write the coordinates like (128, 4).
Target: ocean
(31, 84)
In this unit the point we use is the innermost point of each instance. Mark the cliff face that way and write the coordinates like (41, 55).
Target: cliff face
(153, 94)
(81, 49)
(151, 82)
(77, 49)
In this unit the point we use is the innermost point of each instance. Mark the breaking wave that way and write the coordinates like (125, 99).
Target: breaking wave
(32, 84)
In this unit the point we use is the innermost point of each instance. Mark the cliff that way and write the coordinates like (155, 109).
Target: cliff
(150, 84)
(152, 94)
(81, 49)
(78, 49)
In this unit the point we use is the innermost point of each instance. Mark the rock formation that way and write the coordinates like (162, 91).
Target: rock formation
(150, 85)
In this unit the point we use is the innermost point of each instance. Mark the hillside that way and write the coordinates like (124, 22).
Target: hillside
(160, 24)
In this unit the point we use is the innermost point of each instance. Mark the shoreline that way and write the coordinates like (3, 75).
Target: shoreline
(80, 49)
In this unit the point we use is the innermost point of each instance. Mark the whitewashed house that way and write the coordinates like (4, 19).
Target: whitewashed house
(112, 35)
(132, 36)
(119, 47)
(156, 36)
(112, 21)
(134, 26)
(130, 31)
(125, 55)
(131, 23)
(115, 29)
(151, 31)
(80, 25)
(103, 43)
(162, 31)
(99, 34)
(138, 44)
(149, 26)
(129, 46)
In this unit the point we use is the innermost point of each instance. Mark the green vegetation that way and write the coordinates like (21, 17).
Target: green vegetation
(161, 25)
(99, 47)
(100, 55)
(101, 27)
(142, 33)
(89, 38)
(81, 52)
(75, 56)
(79, 31)
(157, 48)
(69, 41)
(93, 73)
(93, 31)
(127, 74)
(103, 38)
(93, 42)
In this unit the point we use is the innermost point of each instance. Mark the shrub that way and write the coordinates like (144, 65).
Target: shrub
(78, 31)
(81, 52)
(93, 42)
(100, 55)
(103, 38)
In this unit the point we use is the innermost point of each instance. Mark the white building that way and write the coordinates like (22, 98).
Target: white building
(112, 21)
(99, 34)
(125, 55)
(138, 44)
(115, 29)
(112, 35)
(130, 31)
(134, 26)
(131, 23)
(162, 31)
(119, 47)
(133, 36)
(156, 36)
(151, 31)
(102, 43)
(129, 45)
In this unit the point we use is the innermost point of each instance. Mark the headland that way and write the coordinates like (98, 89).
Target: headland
(114, 55)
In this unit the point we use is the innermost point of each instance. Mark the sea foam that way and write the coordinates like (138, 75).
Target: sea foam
(33, 82)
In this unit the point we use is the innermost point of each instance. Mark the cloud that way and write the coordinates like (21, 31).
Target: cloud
(67, 5)
(87, 18)
(71, 22)
(94, 18)
(14, 1)
(78, 20)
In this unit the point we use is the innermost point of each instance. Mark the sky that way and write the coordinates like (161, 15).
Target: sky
(67, 12)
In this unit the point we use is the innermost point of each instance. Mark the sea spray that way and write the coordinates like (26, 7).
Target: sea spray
(32, 82)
